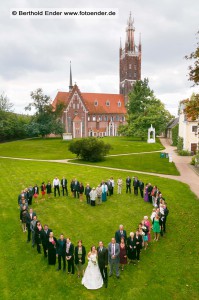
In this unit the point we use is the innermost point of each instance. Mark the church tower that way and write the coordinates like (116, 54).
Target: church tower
(130, 61)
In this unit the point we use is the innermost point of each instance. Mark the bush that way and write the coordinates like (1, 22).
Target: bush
(89, 149)
(184, 153)
(180, 144)
(195, 160)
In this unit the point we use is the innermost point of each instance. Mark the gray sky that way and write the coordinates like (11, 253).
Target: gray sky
(36, 52)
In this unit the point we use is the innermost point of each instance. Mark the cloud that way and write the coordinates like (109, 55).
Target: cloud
(36, 53)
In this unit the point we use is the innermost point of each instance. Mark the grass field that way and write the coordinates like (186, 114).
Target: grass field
(167, 270)
(147, 162)
(58, 149)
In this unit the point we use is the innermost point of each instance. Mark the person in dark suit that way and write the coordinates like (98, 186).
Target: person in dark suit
(45, 238)
(70, 256)
(136, 185)
(80, 253)
(64, 186)
(30, 194)
(114, 257)
(87, 193)
(103, 262)
(120, 233)
(138, 244)
(141, 186)
(76, 188)
(35, 191)
(128, 185)
(38, 236)
(61, 252)
(29, 218)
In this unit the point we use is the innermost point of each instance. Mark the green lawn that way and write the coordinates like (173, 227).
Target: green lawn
(167, 270)
(58, 149)
(147, 162)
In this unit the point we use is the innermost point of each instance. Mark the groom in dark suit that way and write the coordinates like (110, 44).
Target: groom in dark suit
(103, 262)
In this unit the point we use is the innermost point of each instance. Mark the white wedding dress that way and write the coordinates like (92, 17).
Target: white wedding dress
(92, 278)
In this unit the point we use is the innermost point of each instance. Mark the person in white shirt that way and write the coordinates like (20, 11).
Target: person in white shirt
(56, 185)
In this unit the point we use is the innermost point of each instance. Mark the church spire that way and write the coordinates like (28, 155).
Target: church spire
(130, 45)
(71, 82)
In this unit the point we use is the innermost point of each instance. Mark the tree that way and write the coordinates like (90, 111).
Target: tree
(194, 69)
(46, 119)
(192, 107)
(89, 149)
(5, 104)
(144, 109)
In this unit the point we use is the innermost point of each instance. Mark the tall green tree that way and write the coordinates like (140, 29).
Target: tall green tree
(144, 109)
(46, 119)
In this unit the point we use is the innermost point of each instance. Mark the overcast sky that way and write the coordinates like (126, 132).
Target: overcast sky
(36, 52)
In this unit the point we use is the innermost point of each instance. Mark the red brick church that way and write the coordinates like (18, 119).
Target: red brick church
(94, 114)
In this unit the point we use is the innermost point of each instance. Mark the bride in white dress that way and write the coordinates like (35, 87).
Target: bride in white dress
(92, 279)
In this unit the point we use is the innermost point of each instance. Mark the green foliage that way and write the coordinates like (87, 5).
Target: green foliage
(5, 104)
(144, 109)
(13, 126)
(46, 120)
(175, 135)
(184, 153)
(195, 160)
(90, 149)
(194, 69)
(180, 144)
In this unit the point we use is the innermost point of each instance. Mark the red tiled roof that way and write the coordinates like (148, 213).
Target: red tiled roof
(101, 107)
(61, 97)
(90, 99)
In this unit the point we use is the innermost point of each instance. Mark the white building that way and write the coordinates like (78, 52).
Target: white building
(188, 129)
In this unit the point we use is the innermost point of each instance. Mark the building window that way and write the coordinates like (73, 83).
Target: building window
(119, 103)
(96, 103)
(73, 105)
(99, 118)
(135, 67)
(107, 103)
(130, 66)
(94, 118)
(194, 128)
(77, 106)
(89, 118)
(117, 118)
(135, 74)
(112, 118)
(105, 118)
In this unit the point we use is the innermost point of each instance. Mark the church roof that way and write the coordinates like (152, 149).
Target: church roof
(95, 103)
(104, 103)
